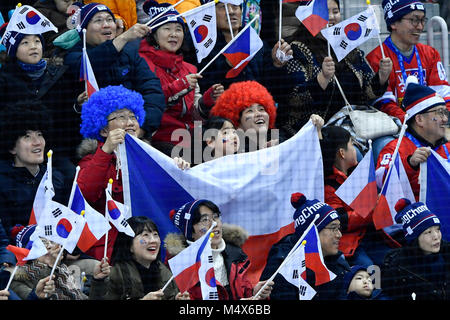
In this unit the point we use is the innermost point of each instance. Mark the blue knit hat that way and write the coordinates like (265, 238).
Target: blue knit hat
(394, 10)
(23, 237)
(183, 217)
(153, 8)
(306, 211)
(12, 40)
(102, 103)
(348, 276)
(419, 98)
(415, 217)
(85, 14)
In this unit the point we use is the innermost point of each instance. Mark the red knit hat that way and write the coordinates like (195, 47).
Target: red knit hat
(241, 95)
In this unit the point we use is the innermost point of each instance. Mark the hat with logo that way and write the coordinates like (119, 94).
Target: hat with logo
(394, 10)
(184, 217)
(306, 211)
(415, 217)
(153, 9)
(419, 98)
(12, 40)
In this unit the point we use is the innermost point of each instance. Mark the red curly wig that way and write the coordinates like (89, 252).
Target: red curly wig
(241, 95)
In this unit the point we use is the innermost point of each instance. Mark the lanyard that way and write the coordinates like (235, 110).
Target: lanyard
(418, 145)
(400, 59)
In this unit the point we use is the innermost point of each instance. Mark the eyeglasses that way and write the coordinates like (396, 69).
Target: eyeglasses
(205, 219)
(415, 22)
(335, 229)
(102, 21)
(124, 118)
(440, 112)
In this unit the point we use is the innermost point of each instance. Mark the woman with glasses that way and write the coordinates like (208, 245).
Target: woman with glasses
(230, 262)
(406, 21)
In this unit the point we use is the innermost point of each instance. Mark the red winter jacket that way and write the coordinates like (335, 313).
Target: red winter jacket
(406, 149)
(181, 111)
(96, 168)
(354, 226)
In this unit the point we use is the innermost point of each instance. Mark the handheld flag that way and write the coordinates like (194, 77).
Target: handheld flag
(242, 49)
(44, 194)
(313, 16)
(153, 185)
(117, 214)
(359, 190)
(294, 271)
(35, 245)
(314, 258)
(203, 29)
(19, 253)
(86, 72)
(28, 20)
(61, 225)
(352, 32)
(194, 264)
(435, 189)
(96, 224)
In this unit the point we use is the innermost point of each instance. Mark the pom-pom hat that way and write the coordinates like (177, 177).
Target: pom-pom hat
(23, 236)
(394, 10)
(419, 98)
(153, 9)
(415, 218)
(102, 103)
(184, 217)
(306, 211)
(87, 12)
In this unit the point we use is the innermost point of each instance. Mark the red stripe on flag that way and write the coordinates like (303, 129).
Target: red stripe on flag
(90, 88)
(19, 253)
(257, 249)
(365, 202)
(87, 239)
(32, 218)
(314, 263)
(382, 214)
(188, 277)
(314, 24)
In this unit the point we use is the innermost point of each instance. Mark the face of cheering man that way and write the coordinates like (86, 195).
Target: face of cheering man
(406, 31)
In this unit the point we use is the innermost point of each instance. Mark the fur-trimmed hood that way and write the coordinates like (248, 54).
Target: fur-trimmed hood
(87, 146)
(233, 234)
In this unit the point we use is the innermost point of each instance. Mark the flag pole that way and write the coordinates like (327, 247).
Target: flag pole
(108, 189)
(167, 283)
(72, 192)
(376, 19)
(301, 242)
(394, 155)
(229, 44)
(84, 64)
(164, 11)
(229, 21)
(280, 18)
(56, 261)
(12, 277)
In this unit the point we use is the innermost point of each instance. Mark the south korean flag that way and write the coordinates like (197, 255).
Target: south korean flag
(203, 29)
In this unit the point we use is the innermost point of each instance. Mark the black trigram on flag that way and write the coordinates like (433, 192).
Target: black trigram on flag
(343, 44)
(208, 43)
(124, 223)
(20, 25)
(45, 23)
(303, 263)
(210, 259)
(302, 290)
(368, 31)
(24, 9)
(193, 23)
(337, 31)
(295, 274)
(362, 18)
(207, 18)
(48, 230)
(57, 212)
(213, 295)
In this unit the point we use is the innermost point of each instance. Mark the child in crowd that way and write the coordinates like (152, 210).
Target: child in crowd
(358, 285)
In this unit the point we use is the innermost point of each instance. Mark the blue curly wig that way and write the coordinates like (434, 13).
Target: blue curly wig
(102, 103)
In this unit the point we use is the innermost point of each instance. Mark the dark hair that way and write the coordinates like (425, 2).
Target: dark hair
(207, 203)
(123, 243)
(18, 118)
(151, 38)
(334, 138)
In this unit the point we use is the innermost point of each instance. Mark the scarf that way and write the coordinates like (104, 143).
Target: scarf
(34, 71)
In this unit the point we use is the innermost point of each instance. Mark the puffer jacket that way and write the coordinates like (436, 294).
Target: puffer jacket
(236, 263)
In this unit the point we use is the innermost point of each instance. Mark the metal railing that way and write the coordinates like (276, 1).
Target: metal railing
(444, 33)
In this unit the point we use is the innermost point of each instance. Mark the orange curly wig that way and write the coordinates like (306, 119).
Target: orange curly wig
(241, 95)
